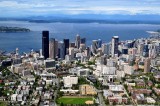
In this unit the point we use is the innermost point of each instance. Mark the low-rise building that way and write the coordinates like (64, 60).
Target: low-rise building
(49, 78)
(69, 81)
(87, 90)
(14, 97)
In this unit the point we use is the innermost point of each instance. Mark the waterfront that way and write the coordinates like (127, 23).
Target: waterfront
(26, 41)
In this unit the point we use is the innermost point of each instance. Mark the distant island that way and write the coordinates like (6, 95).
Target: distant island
(13, 29)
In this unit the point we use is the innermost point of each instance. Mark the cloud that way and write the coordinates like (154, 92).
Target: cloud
(40, 7)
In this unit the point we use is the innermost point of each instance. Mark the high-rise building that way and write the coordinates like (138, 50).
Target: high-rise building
(72, 44)
(106, 48)
(146, 51)
(94, 46)
(61, 53)
(114, 45)
(66, 46)
(83, 40)
(71, 52)
(147, 63)
(140, 49)
(53, 48)
(78, 41)
(45, 44)
(82, 47)
(99, 43)
(87, 52)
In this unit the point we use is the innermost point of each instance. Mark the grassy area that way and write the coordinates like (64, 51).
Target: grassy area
(70, 100)
(2, 103)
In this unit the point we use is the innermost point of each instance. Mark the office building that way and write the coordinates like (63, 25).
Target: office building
(61, 51)
(69, 81)
(114, 45)
(45, 44)
(147, 63)
(106, 48)
(66, 46)
(99, 43)
(94, 46)
(49, 63)
(71, 52)
(72, 44)
(83, 40)
(78, 41)
(53, 48)
(145, 51)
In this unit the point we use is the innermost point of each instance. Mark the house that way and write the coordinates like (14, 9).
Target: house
(157, 77)
(140, 99)
(150, 100)
(150, 83)
(47, 96)
(157, 91)
(140, 84)
(87, 90)
(118, 99)
(141, 91)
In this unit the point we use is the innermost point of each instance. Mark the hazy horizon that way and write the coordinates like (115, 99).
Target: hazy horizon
(101, 9)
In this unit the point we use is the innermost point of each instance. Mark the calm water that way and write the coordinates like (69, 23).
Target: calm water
(32, 40)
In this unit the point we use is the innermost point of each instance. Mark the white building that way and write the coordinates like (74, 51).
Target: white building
(128, 69)
(14, 97)
(50, 78)
(69, 81)
(103, 70)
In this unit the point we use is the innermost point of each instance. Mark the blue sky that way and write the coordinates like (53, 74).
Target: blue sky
(11, 8)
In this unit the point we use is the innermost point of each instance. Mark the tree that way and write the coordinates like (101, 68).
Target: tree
(61, 104)
(107, 102)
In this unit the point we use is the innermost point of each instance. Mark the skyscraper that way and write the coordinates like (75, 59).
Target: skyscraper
(147, 63)
(78, 41)
(53, 48)
(114, 45)
(146, 51)
(61, 53)
(99, 43)
(94, 46)
(45, 44)
(83, 40)
(106, 48)
(66, 46)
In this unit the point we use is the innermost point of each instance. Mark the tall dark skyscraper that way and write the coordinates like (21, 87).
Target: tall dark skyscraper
(114, 45)
(45, 44)
(83, 41)
(66, 45)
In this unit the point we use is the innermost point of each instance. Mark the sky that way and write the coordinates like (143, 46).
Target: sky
(23, 8)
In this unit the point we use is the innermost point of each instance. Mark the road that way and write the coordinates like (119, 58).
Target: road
(101, 100)
(56, 91)
(130, 97)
